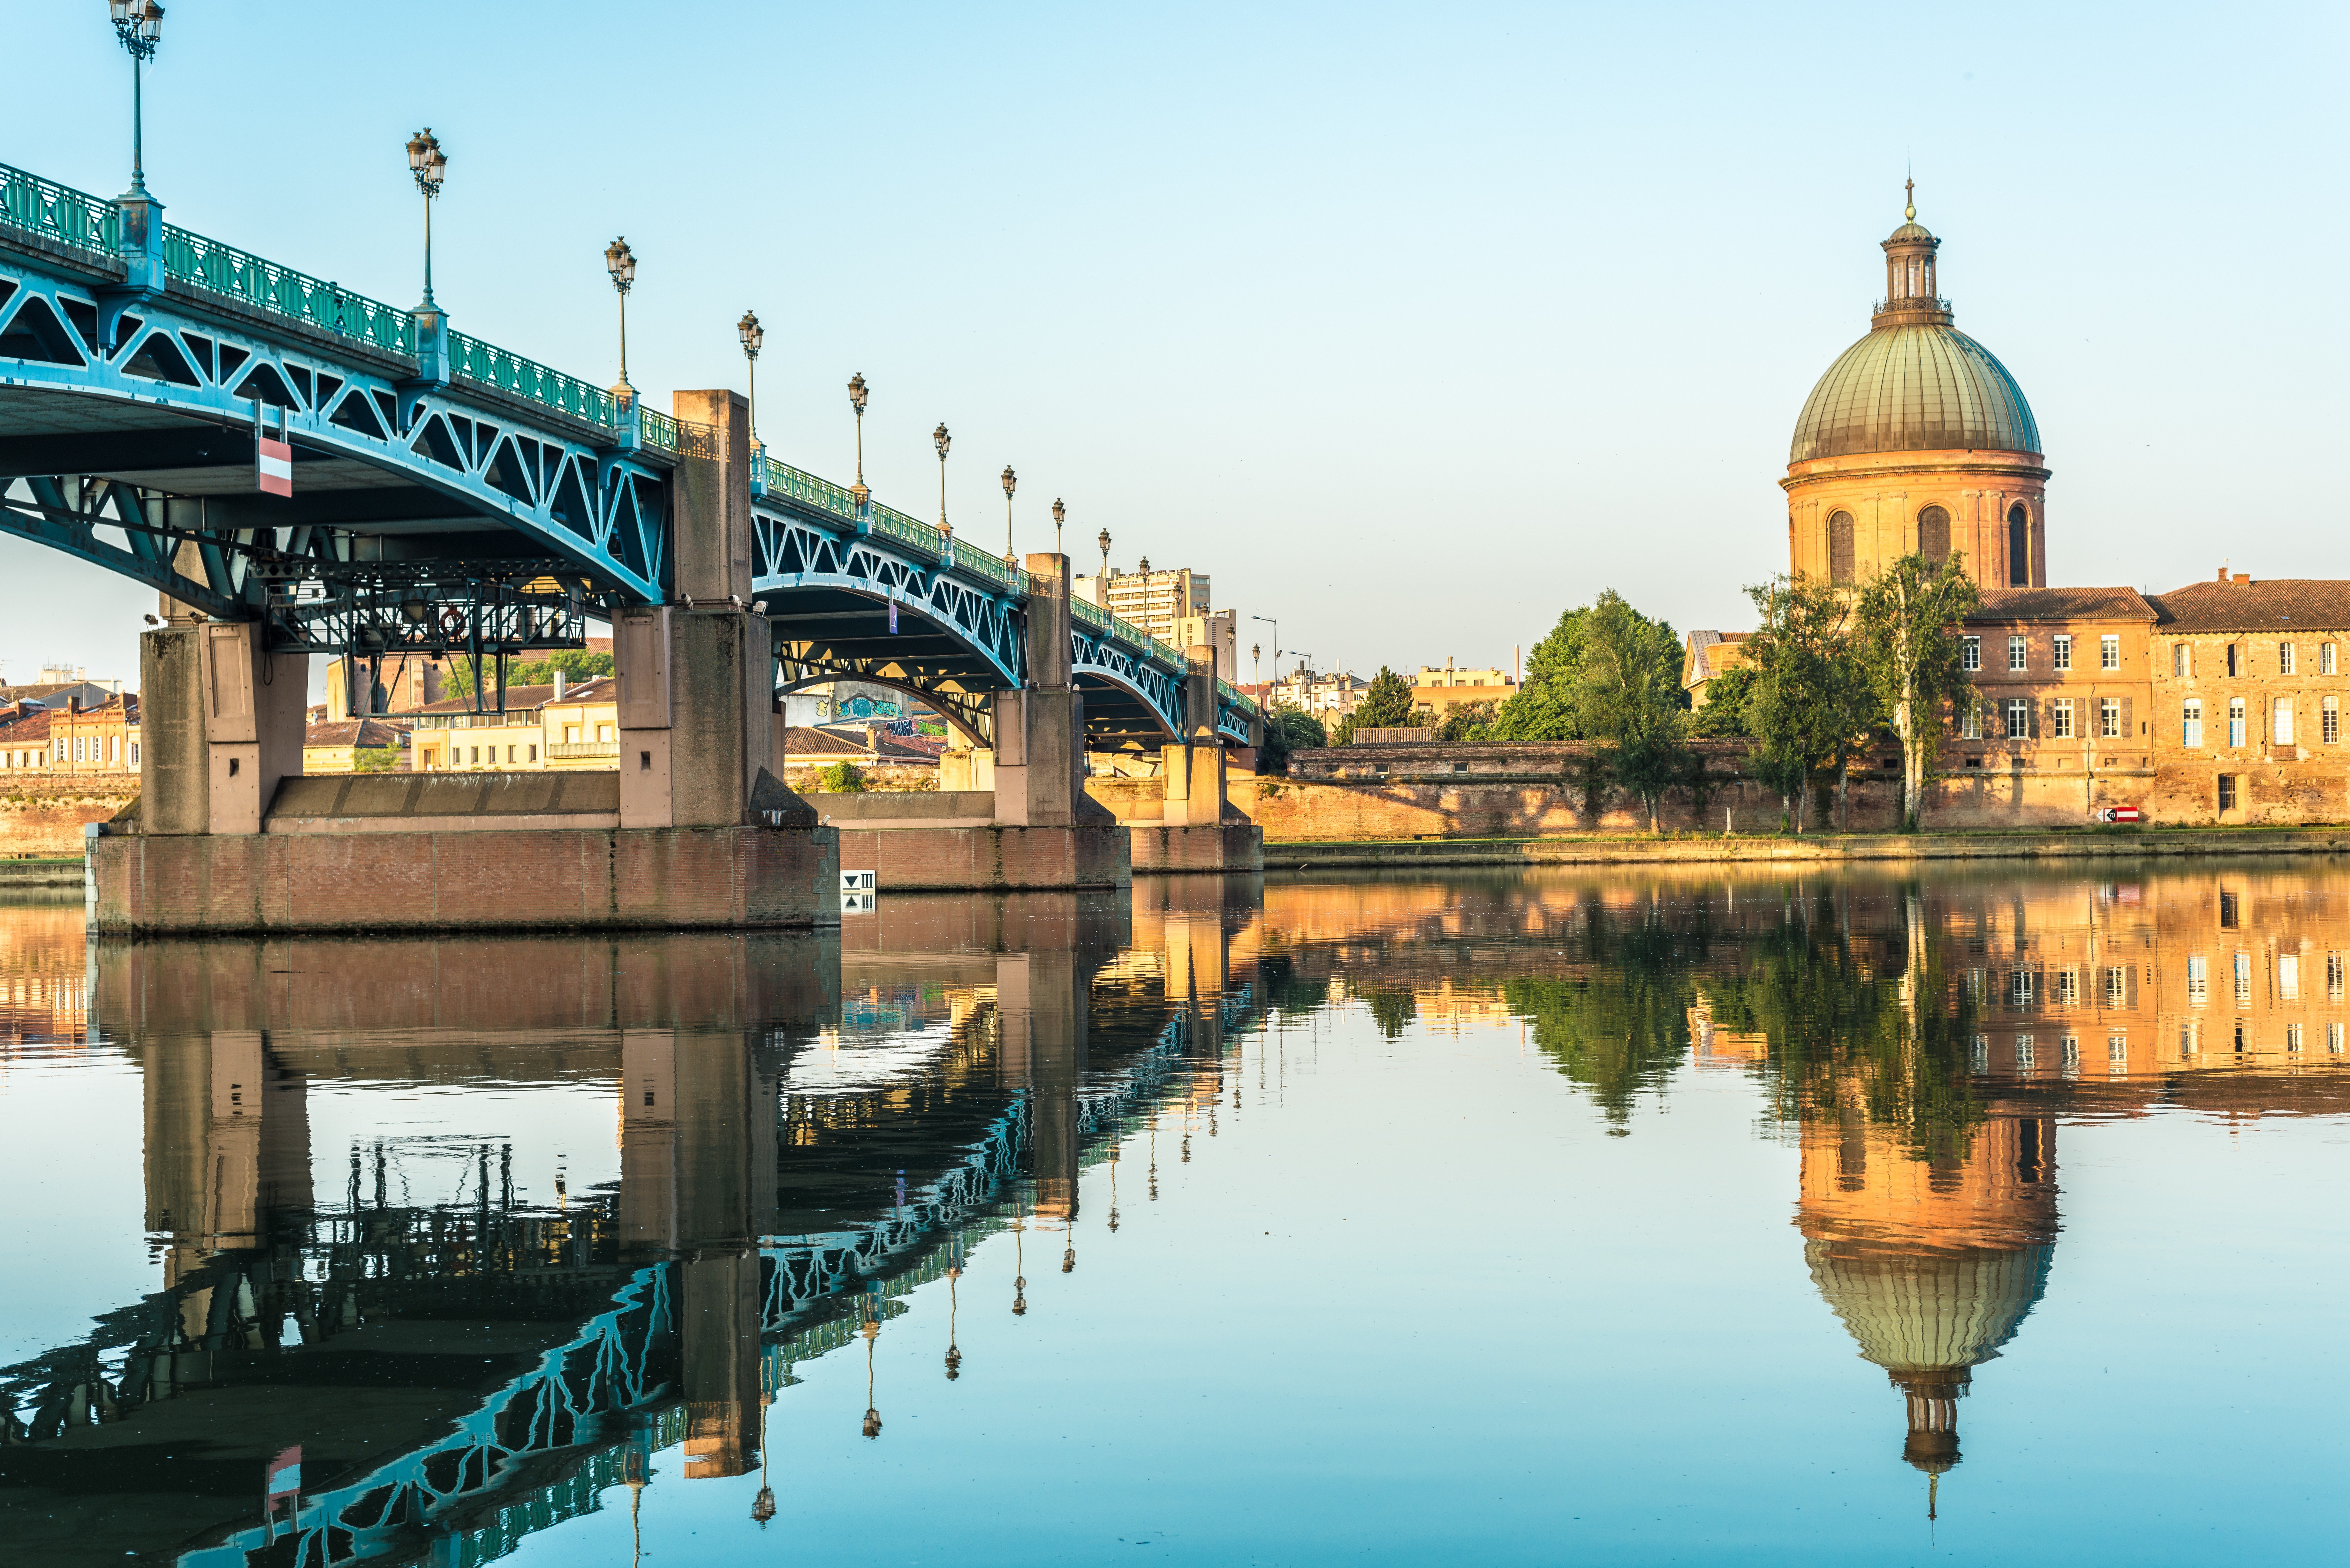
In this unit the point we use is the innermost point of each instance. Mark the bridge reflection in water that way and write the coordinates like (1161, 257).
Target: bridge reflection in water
(458, 1375)
(811, 1126)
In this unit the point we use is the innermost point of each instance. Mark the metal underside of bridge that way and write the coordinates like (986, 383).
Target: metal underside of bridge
(448, 497)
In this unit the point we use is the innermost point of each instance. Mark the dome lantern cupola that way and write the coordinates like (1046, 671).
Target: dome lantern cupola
(1912, 298)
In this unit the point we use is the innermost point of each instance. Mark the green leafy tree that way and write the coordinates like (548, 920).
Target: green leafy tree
(842, 778)
(1628, 696)
(1809, 703)
(1468, 721)
(1543, 709)
(1910, 617)
(1724, 715)
(573, 663)
(1288, 729)
(1387, 705)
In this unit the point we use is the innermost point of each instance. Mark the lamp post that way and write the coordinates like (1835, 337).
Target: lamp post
(1103, 540)
(940, 440)
(1010, 480)
(753, 335)
(1256, 664)
(856, 393)
(139, 23)
(429, 165)
(1060, 515)
(1274, 622)
(621, 263)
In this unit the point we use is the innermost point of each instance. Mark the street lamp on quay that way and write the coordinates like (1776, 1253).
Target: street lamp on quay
(857, 394)
(1273, 622)
(940, 440)
(752, 336)
(621, 263)
(139, 23)
(1010, 480)
(430, 166)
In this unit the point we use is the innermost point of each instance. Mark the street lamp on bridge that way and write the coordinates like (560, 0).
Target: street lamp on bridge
(753, 336)
(1256, 664)
(621, 263)
(1060, 515)
(1010, 479)
(940, 440)
(430, 166)
(857, 392)
(1103, 540)
(139, 23)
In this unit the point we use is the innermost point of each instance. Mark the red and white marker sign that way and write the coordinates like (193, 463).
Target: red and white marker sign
(2120, 813)
(282, 1477)
(275, 461)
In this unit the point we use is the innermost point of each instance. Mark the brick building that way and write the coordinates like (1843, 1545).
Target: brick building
(103, 738)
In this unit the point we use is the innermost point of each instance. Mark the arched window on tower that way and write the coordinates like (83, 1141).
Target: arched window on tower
(2019, 546)
(1840, 548)
(1934, 534)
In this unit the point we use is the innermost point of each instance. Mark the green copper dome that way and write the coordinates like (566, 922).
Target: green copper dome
(1914, 388)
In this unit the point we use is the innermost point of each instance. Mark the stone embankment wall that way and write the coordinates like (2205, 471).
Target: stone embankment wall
(1423, 791)
(42, 817)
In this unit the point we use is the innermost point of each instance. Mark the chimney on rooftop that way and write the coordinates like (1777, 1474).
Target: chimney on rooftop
(558, 686)
(2243, 576)
(2223, 573)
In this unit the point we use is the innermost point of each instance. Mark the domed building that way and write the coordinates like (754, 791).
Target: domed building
(1917, 440)
(1931, 1265)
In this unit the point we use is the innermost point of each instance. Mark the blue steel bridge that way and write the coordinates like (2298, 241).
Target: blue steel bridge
(449, 496)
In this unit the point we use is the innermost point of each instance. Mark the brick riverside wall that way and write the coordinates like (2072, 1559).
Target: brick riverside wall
(44, 815)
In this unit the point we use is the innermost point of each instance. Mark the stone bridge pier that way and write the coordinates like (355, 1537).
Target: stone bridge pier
(694, 829)
(1036, 827)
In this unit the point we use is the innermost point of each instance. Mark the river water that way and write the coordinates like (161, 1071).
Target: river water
(1991, 1217)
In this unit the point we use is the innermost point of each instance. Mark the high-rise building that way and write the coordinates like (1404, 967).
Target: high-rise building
(1152, 600)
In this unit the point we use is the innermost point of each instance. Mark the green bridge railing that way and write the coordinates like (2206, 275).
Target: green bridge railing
(33, 205)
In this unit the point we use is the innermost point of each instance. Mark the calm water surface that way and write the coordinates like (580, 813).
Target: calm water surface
(1991, 1218)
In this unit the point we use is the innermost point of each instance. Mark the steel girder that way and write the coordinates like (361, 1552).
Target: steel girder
(792, 553)
(1098, 658)
(163, 383)
(969, 713)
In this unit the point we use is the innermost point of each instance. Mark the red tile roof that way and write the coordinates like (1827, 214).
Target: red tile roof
(2063, 604)
(2314, 604)
(356, 732)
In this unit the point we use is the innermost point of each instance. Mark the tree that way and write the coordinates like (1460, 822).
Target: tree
(842, 777)
(576, 664)
(1808, 703)
(1287, 728)
(1467, 722)
(1724, 717)
(1627, 695)
(1910, 619)
(1544, 707)
(1387, 705)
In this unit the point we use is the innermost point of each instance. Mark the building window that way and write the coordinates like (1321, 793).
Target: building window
(2182, 661)
(2019, 719)
(2325, 658)
(1979, 1053)
(2292, 1039)
(2199, 985)
(2334, 1039)
(2020, 986)
(2019, 546)
(2281, 733)
(2242, 967)
(1840, 547)
(2117, 987)
(2289, 977)
(2109, 652)
(2064, 717)
(603, 732)
(2016, 653)
(114, 748)
(570, 734)
(2068, 988)
(2284, 659)
(2110, 717)
(1970, 653)
(1934, 534)
(2232, 668)
(2190, 1039)
(2064, 650)
(510, 753)
(2072, 1055)
(2235, 721)
(476, 755)
(534, 754)
(2227, 912)
(2334, 977)
(2227, 792)
(1971, 719)
(2117, 1052)
(2027, 1053)
(2192, 727)
(2329, 721)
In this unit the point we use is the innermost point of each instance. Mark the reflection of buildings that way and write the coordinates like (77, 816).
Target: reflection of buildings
(1931, 1265)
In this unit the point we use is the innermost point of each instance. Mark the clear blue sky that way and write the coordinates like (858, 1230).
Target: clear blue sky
(1411, 327)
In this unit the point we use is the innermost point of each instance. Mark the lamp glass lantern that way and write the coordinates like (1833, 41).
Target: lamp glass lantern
(620, 262)
(754, 338)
